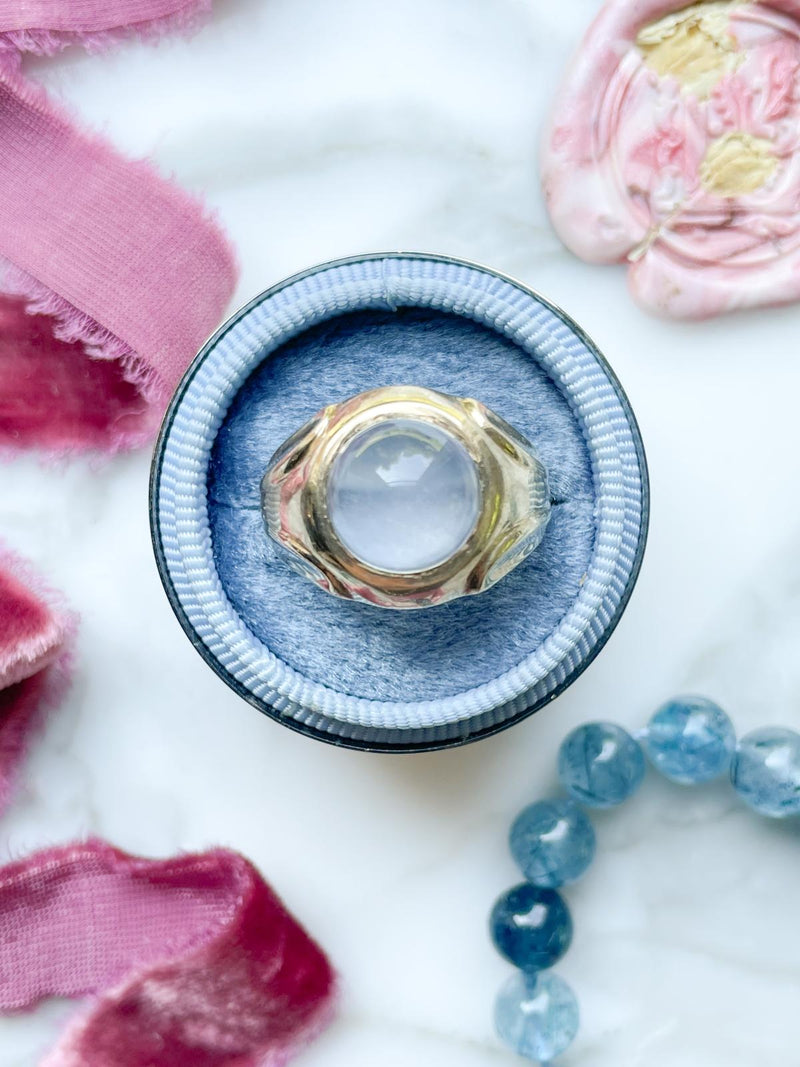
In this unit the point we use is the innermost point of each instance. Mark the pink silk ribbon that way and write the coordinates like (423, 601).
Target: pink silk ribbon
(122, 266)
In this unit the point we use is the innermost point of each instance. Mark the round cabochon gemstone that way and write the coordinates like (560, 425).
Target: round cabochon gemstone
(531, 926)
(536, 1015)
(553, 842)
(600, 764)
(690, 740)
(766, 771)
(403, 496)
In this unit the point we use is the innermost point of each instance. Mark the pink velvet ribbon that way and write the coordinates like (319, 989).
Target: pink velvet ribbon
(36, 632)
(121, 266)
(191, 962)
(112, 279)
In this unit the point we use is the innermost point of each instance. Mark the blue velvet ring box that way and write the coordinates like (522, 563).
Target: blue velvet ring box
(348, 672)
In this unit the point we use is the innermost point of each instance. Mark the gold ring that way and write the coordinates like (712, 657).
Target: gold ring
(405, 497)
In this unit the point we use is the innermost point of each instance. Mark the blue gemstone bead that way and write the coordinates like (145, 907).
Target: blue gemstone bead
(553, 842)
(690, 740)
(600, 764)
(766, 771)
(531, 926)
(536, 1015)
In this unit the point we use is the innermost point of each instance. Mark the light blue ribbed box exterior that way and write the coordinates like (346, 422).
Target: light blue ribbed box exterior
(182, 534)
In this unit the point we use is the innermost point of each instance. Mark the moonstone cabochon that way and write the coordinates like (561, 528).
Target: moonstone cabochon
(674, 147)
(403, 496)
(568, 385)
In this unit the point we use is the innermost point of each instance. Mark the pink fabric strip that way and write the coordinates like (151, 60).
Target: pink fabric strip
(124, 264)
(194, 960)
(85, 16)
(36, 632)
(53, 397)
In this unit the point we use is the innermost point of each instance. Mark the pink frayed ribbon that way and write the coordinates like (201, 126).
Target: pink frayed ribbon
(192, 961)
(35, 636)
(126, 268)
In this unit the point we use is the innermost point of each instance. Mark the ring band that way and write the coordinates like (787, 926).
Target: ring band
(405, 497)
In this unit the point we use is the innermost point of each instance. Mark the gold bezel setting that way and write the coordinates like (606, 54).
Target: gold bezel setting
(513, 511)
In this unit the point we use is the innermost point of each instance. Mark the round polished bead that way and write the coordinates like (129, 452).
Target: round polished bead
(403, 496)
(536, 1015)
(552, 842)
(531, 926)
(766, 771)
(690, 740)
(600, 764)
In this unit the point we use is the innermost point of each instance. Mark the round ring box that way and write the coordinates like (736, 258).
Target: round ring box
(348, 672)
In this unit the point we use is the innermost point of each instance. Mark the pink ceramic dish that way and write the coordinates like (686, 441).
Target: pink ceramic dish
(674, 148)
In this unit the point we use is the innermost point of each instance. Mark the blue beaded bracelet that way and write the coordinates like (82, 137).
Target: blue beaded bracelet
(689, 740)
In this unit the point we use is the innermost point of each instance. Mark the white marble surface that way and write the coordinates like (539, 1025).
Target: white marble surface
(320, 129)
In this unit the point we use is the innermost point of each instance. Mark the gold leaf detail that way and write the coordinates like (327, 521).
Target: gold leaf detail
(737, 163)
(694, 45)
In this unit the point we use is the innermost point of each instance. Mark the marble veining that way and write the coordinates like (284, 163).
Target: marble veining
(324, 129)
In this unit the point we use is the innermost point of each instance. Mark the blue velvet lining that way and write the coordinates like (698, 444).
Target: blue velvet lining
(356, 648)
